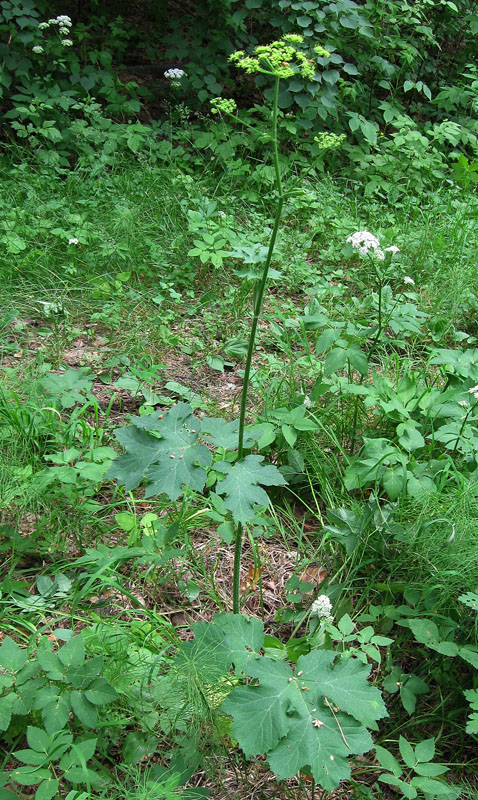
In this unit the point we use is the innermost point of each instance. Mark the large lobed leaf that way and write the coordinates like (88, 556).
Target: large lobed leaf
(314, 718)
(168, 463)
(241, 485)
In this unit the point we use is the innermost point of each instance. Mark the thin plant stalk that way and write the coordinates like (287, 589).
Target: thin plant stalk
(258, 301)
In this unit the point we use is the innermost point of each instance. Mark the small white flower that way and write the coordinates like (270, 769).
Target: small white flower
(64, 19)
(66, 42)
(392, 249)
(463, 403)
(308, 402)
(74, 240)
(322, 608)
(43, 26)
(409, 280)
(363, 241)
(222, 214)
(174, 74)
(38, 49)
(379, 254)
(64, 31)
(53, 22)
(474, 391)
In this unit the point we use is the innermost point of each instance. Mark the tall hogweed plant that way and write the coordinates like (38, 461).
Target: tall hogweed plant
(317, 713)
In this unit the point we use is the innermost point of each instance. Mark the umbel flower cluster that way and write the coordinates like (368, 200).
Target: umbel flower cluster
(329, 141)
(64, 24)
(222, 105)
(174, 74)
(366, 244)
(322, 608)
(282, 58)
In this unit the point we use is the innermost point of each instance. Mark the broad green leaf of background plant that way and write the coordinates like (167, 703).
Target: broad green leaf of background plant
(426, 632)
(469, 599)
(241, 485)
(168, 463)
(295, 717)
(472, 722)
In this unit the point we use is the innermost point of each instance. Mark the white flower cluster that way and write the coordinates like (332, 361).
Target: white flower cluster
(322, 608)
(474, 391)
(64, 22)
(73, 240)
(368, 244)
(174, 74)
(409, 280)
(38, 49)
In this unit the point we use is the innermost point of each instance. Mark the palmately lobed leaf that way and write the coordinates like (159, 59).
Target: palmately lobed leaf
(312, 718)
(169, 463)
(241, 485)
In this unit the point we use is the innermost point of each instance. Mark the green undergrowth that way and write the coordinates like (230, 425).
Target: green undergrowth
(125, 308)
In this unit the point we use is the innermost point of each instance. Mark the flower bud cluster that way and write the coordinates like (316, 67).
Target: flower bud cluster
(222, 105)
(280, 58)
(329, 141)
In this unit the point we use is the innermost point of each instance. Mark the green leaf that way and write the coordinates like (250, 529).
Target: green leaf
(408, 791)
(31, 757)
(56, 712)
(289, 716)
(327, 339)
(38, 739)
(358, 359)
(226, 531)
(469, 654)
(29, 776)
(6, 704)
(426, 632)
(388, 761)
(81, 775)
(472, 723)
(409, 438)
(85, 749)
(223, 434)
(345, 625)
(47, 789)
(469, 599)
(431, 787)
(244, 637)
(241, 485)
(394, 481)
(425, 750)
(430, 770)
(138, 744)
(409, 690)
(12, 657)
(290, 435)
(407, 752)
(84, 710)
(72, 654)
(335, 360)
(168, 463)
(100, 692)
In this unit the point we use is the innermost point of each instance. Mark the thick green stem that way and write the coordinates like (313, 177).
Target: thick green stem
(258, 300)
